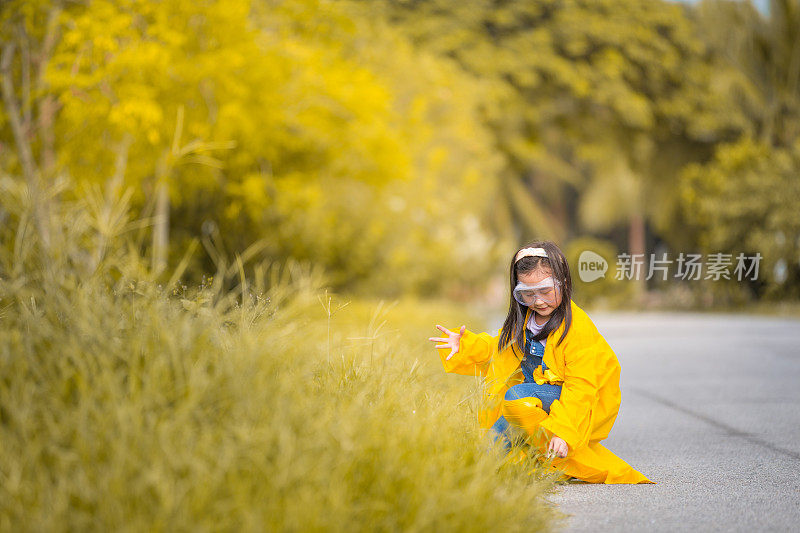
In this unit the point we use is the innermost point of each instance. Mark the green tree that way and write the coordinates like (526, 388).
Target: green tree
(746, 198)
(596, 104)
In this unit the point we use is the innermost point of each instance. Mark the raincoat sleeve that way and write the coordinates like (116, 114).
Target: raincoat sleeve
(571, 415)
(473, 356)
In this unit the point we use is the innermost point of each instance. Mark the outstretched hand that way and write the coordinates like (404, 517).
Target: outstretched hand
(452, 341)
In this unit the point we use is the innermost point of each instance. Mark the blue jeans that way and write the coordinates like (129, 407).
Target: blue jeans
(546, 393)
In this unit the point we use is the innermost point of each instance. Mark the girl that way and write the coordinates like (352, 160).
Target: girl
(548, 372)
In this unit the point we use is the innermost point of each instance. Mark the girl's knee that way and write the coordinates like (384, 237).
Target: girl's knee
(524, 412)
(517, 391)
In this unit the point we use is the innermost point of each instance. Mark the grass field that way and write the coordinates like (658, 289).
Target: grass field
(266, 406)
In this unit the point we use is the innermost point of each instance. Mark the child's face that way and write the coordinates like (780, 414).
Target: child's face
(544, 303)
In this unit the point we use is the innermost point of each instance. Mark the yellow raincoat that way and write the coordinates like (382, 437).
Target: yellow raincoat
(588, 371)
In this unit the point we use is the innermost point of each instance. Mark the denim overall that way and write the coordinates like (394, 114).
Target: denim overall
(547, 393)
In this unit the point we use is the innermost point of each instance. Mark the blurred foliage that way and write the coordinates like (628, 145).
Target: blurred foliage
(599, 103)
(293, 124)
(746, 198)
(391, 140)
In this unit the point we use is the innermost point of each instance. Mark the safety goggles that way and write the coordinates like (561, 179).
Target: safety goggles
(546, 291)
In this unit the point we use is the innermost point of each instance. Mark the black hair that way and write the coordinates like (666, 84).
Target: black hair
(514, 328)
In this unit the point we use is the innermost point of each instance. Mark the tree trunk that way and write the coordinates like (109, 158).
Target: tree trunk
(636, 247)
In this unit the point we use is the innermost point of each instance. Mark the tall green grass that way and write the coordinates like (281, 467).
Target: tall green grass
(257, 404)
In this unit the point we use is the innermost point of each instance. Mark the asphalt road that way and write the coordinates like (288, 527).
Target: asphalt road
(711, 413)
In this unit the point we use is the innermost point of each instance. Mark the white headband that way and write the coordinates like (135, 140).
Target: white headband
(530, 252)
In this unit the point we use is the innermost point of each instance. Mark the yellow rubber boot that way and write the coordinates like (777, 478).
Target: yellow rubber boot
(526, 413)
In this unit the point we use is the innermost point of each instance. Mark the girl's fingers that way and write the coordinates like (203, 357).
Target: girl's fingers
(443, 346)
(557, 448)
(438, 339)
(451, 354)
(444, 329)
